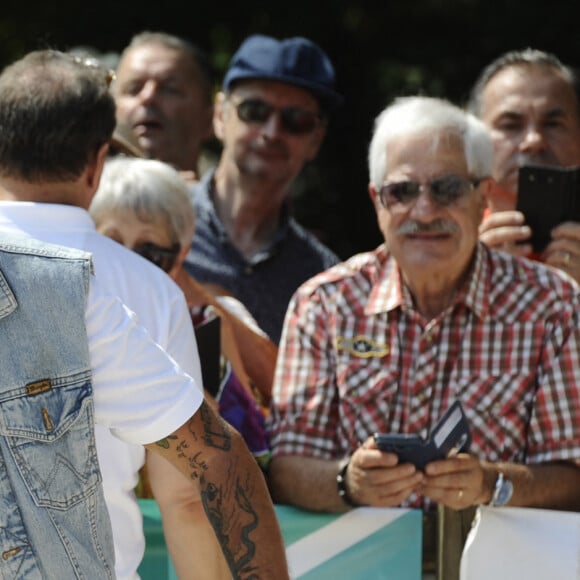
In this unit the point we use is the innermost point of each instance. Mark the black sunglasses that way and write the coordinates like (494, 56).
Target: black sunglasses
(163, 257)
(294, 120)
(444, 191)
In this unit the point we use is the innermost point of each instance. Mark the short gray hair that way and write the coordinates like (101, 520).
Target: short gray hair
(151, 189)
(418, 116)
(514, 58)
(198, 57)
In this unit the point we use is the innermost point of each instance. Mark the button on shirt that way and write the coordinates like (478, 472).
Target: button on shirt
(265, 283)
(357, 358)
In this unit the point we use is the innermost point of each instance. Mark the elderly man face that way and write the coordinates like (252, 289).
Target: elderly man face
(433, 235)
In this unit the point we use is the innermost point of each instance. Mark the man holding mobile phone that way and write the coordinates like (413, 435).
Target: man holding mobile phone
(530, 102)
(389, 340)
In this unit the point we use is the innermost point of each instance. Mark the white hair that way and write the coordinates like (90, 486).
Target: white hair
(153, 190)
(429, 116)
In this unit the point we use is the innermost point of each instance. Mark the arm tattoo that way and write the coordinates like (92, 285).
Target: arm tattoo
(226, 502)
(239, 552)
(165, 442)
(216, 433)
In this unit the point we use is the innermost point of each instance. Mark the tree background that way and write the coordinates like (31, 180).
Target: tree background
(380, 49)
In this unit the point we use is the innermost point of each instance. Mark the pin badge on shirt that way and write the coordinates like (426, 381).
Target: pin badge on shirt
(362, 347)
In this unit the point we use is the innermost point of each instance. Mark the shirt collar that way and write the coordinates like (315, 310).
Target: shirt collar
(208, 185)
(32, 217)
(388, 291)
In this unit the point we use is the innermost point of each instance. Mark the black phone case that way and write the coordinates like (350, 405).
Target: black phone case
(548, 196)
(208, 338)
(451, 432)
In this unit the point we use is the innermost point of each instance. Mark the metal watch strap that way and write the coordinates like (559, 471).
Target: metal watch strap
(502, 491)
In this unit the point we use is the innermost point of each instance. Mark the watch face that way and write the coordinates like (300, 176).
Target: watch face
(504, 493)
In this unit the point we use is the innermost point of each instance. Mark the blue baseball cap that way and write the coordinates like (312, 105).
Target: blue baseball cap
(295, 61)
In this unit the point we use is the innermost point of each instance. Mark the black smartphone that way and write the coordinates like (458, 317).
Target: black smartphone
(548, 196)
(409, 447)
(450, 435)
(208, 338)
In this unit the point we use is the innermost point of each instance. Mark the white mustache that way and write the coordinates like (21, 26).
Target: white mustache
(438, 226)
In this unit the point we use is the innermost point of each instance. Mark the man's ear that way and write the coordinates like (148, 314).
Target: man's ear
(487, 187)
(208, 131)
(220, 112)
(374, 196)
(89, 181)
(317, 138)
(95, 167)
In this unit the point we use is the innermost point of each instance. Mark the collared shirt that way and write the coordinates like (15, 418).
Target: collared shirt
(265, 283)
(357, 358)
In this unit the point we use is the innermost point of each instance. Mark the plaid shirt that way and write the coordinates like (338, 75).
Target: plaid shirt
(356, 357)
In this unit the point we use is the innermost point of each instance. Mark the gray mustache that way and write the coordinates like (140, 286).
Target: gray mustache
(439, 226)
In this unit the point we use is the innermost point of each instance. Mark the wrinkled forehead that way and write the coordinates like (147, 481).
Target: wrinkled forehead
(426, 153)
(518, 87)
(157, 61)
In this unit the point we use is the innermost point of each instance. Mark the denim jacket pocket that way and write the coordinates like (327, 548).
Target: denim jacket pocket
(49, 429)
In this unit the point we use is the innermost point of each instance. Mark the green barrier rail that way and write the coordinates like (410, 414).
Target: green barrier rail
(363, 543)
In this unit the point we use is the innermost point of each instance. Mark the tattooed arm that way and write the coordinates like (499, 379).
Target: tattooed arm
(233, 493)
(190, 539)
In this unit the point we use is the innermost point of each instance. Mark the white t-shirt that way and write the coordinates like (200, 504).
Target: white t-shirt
(140, 393)
(160, 307)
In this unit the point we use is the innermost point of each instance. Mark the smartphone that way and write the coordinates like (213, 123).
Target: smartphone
(208, 338)
(548, 196)
(450, 436)
(409, 447)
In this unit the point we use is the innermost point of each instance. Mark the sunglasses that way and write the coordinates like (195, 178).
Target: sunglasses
(87, 62)
(294, 120)
(444, 191)
(164, 258)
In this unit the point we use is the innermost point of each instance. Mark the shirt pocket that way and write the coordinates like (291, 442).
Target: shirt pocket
(499, 408)
(50, 435)
(370, 398)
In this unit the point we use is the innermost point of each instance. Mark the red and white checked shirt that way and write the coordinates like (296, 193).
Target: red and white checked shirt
(357, 358)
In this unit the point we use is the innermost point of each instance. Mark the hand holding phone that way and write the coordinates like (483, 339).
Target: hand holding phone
(548, 196)
(450, 436)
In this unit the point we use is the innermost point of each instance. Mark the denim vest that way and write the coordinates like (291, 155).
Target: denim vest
(53, 519)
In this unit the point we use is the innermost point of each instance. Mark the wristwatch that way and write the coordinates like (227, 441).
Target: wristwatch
(341, 486)
(502, 491)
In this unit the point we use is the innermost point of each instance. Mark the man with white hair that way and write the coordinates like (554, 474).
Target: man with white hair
(390, 339)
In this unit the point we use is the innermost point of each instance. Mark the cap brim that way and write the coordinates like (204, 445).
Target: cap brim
(329, 99)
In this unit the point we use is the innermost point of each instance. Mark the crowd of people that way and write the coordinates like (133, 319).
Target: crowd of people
(124, 259)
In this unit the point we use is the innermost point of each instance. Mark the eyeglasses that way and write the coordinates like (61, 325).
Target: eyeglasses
(444, 191)
(93, 63)
(294, 120)
(163, 257)
(87, 62)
